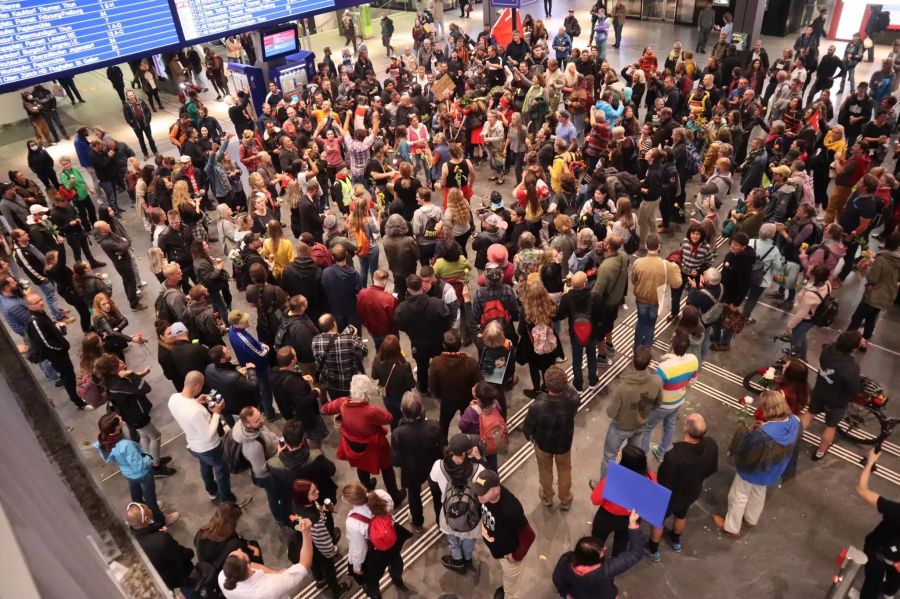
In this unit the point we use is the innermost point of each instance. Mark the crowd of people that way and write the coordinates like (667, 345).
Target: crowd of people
(601, 156)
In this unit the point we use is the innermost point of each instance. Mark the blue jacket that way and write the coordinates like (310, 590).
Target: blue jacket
(762, 455)
(218, 178)
(127, 454)
(248, 349)
(341, 285)
(564, 41)
(612, 114)
(83, 151)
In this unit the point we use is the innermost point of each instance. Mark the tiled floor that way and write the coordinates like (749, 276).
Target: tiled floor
(789, 555)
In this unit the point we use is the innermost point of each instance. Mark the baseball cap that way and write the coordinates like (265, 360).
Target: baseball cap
(184, 159)
(238, 317)
(783, 170)
(484, 482)
(461, 443)
(178, 329)
(492, 220)
(37, 209)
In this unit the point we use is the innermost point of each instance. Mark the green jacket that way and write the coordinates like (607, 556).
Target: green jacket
(73, 179)
(881, 282)
(612, 279)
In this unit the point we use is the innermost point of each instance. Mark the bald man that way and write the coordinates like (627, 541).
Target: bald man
(582, 308)
(686, 466)
(118, 248)
(172, 560)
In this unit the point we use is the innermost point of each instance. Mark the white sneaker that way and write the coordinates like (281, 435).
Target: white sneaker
(142, 284)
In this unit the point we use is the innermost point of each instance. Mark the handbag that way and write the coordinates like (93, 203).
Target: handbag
(382, 389)
(734, 321)
(664, 292)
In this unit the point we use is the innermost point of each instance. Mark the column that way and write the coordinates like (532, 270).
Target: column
(748, 18)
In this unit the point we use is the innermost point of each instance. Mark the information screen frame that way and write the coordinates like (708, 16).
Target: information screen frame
(105, 10)
(319, 6)
(291, 30)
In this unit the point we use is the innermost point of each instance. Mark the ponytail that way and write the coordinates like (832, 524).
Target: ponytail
(235, 571)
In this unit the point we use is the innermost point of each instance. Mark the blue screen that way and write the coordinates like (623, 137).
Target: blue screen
(203, 19)
(39, 38)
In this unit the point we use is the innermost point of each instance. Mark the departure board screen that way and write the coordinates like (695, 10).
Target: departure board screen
(201, 19)
(39, 38)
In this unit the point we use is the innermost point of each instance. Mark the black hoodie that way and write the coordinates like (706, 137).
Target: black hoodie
(304, 277)
(686, 466)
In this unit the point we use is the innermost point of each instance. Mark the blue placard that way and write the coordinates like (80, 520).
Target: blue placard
(40, 38)
(632, 491)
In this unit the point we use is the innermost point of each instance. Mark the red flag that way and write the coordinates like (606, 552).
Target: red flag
(502, 29)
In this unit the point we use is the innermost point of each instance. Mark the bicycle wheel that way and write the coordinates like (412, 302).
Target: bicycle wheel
(861, 424)
(752, 381)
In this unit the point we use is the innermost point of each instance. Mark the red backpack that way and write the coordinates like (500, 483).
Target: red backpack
(382, 534)
(494, 310)
(492, 429)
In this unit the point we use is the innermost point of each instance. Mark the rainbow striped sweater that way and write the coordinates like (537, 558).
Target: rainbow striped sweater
(676, 373)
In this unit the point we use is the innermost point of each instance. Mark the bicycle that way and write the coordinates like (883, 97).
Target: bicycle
(754, 381)
(865, 421)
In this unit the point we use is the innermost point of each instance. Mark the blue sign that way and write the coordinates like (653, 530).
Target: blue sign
(201, 19)
(39, 38)
(632, 491)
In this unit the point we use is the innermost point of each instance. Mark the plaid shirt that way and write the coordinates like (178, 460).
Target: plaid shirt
(342, 362)
(359, 152)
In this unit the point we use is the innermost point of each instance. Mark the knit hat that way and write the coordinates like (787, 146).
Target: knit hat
(330, 222)
(556, 380)
(498, 254)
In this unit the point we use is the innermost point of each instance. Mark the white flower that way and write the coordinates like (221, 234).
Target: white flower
(748, 400)
(770, 374)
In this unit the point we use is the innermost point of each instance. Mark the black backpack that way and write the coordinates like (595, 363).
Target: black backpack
(827, 309)
(163, 309)
(758, 271)
(430, 231)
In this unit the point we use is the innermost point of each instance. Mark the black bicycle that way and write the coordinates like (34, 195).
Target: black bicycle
(755, 381)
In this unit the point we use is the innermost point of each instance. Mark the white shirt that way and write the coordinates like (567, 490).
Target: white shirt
(358, 532)
(441, 480)
(267, 585)
(201, 427)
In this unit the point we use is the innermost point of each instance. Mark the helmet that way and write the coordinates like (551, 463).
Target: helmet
(496, 198)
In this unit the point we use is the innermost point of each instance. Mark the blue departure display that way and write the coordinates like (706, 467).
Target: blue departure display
(201, 19)
(40, 38)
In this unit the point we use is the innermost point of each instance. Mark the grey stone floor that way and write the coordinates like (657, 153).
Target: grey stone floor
(789, 555)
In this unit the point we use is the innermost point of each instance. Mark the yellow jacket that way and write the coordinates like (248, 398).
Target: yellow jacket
(280, 256)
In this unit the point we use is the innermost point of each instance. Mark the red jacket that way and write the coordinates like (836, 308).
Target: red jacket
(613, 508)
(375, 310)
(362, 424)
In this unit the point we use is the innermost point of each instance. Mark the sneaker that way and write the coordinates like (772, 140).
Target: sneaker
(594, 385)
(545, 502)
(342, 590)
(499, 593)
(610, 350)
(417, 528)
(171, 517)
(58, 383)
(163, 471)
(604, 362)
(321, 584)
(245, 501)
(654, 556)
(213, 498)
(565, 507)
(656, 453)
(86, 407)
(670, 537)
(456, 565)
(164, 460)
(817, 455)
(138, 307)
(561, 359)
(531, 393)
(400, 584)
(719, 521)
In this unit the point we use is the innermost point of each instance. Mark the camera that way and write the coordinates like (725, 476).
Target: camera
(214, 398)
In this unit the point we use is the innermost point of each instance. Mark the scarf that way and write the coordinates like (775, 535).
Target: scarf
(838, 146)
(107, 442)
(459, 474)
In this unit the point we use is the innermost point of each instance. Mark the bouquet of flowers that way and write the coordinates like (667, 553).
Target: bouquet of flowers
(236, 258)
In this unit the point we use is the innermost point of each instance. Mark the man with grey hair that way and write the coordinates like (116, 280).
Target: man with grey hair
(768, 261)
(118, 248)
(707, 298)
(690, 461)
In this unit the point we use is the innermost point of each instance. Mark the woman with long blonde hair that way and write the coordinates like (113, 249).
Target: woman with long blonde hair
(276, 249)
(459, 217)
(109, 323)
(292, 196)
(192, 215)
(536, 332)
(363, 229)
(157, 260)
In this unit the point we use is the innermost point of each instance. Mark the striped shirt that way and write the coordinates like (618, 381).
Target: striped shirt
(676, 373)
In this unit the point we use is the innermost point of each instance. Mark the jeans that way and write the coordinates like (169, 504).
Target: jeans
(851, 71)
(618, 29)
(143, 490)
(55, 124)
(268, 485)
(548, 7)
(864, 313)
(423, 357)
(461, 549)
(615, 438)
(702, 39)
(63, 365)
(668, 419)
(798, 337)
(215, 473)
(49, 292)
(751, 301)
(646, 324)
(48, 370)
(218, 303)
(577, 375)
(377, 341)
(140, 133)
(367, 266)
(109, 190)
(149, 438)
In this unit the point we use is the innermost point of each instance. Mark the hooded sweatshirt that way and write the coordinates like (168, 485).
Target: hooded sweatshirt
(808, 300)
(638, 393)
(762, 455)
(256, 445)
